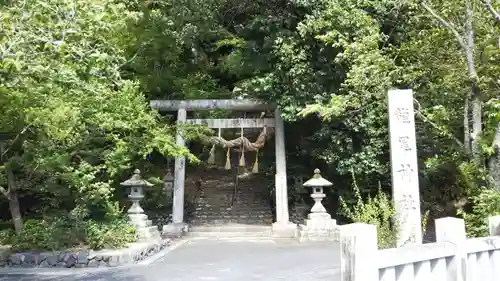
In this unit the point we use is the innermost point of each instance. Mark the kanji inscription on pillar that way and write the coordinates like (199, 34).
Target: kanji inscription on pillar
(404, 166)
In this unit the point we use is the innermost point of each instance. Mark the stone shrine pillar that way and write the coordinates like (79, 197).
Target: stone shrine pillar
(404, 167)
(282, 227)
(178, 226)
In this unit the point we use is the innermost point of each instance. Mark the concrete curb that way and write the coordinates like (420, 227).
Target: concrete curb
(78, 272)
(131, 254)
(154, 258)
(54, 271)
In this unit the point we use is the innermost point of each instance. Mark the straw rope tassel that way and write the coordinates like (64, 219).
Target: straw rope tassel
(255, 168)
(211, 156)
(242, 158)
(228, 159)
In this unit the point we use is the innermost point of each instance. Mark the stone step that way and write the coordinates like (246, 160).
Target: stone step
(227, 234)
(259, 207)
(224, 196)
(234, 228)
(228, 203)
(240, 188)
(215, 216)
(246, 239)
(232, 218)
(221, 221)
(240, 208)
(241, 214)
(227, 219)
(230, 199)
(232, 213)
(252, 197)
(238, 201)
(236, 208)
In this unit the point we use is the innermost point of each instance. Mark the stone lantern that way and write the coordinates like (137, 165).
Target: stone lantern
(319, 225)
(168, 181)
(135, 213)
(316, 183)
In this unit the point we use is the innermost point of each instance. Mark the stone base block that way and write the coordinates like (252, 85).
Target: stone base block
(139, 220)
(175, 229)
(149, 233)
(285, 230)
(319, 228)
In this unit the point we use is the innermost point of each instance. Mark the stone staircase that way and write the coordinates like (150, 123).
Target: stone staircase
(221, 210)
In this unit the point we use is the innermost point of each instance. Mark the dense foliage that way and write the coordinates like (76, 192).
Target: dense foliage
(71, 125)
(76, 77)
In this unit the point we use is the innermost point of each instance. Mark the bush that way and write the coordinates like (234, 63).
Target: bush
(378, 210)
(65, 233)
(109, 235)
(6, 236)
(485, 204)
(36, 235)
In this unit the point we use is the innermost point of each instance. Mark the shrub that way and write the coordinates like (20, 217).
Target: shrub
(485, 204)
(378, 210)
(112, 235)
(63, 233)
(36, 235)
(6, 236)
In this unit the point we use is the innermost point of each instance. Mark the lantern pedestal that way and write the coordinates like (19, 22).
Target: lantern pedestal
(145, 228)
(319, 227)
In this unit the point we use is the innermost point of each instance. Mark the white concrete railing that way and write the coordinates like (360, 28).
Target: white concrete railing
(452, 258)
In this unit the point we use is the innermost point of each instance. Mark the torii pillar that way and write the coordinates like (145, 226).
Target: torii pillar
(177, 227)
(282, 227)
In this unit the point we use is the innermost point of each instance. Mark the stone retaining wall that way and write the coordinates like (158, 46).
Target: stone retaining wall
(85, 258)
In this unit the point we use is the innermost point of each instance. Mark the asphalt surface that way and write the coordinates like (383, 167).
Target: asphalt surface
(212, 260)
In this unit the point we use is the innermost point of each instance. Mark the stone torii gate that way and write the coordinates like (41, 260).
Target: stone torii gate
(282, 227)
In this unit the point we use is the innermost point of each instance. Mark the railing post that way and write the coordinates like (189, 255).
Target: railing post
(358, 252)
(453, 230)
(494, 226)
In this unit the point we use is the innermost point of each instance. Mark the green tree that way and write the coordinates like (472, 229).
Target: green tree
(69, 118)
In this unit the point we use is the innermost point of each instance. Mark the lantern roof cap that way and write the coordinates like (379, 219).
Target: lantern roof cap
(317, 180)
(136, 180)
(168, 176)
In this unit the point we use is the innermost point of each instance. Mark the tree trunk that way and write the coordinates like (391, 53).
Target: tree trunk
(477, 122)
(494, 161)
(477, 111)
(467, 137)
(15, 210)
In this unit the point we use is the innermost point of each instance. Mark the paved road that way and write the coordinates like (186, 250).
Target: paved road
(219, 261)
